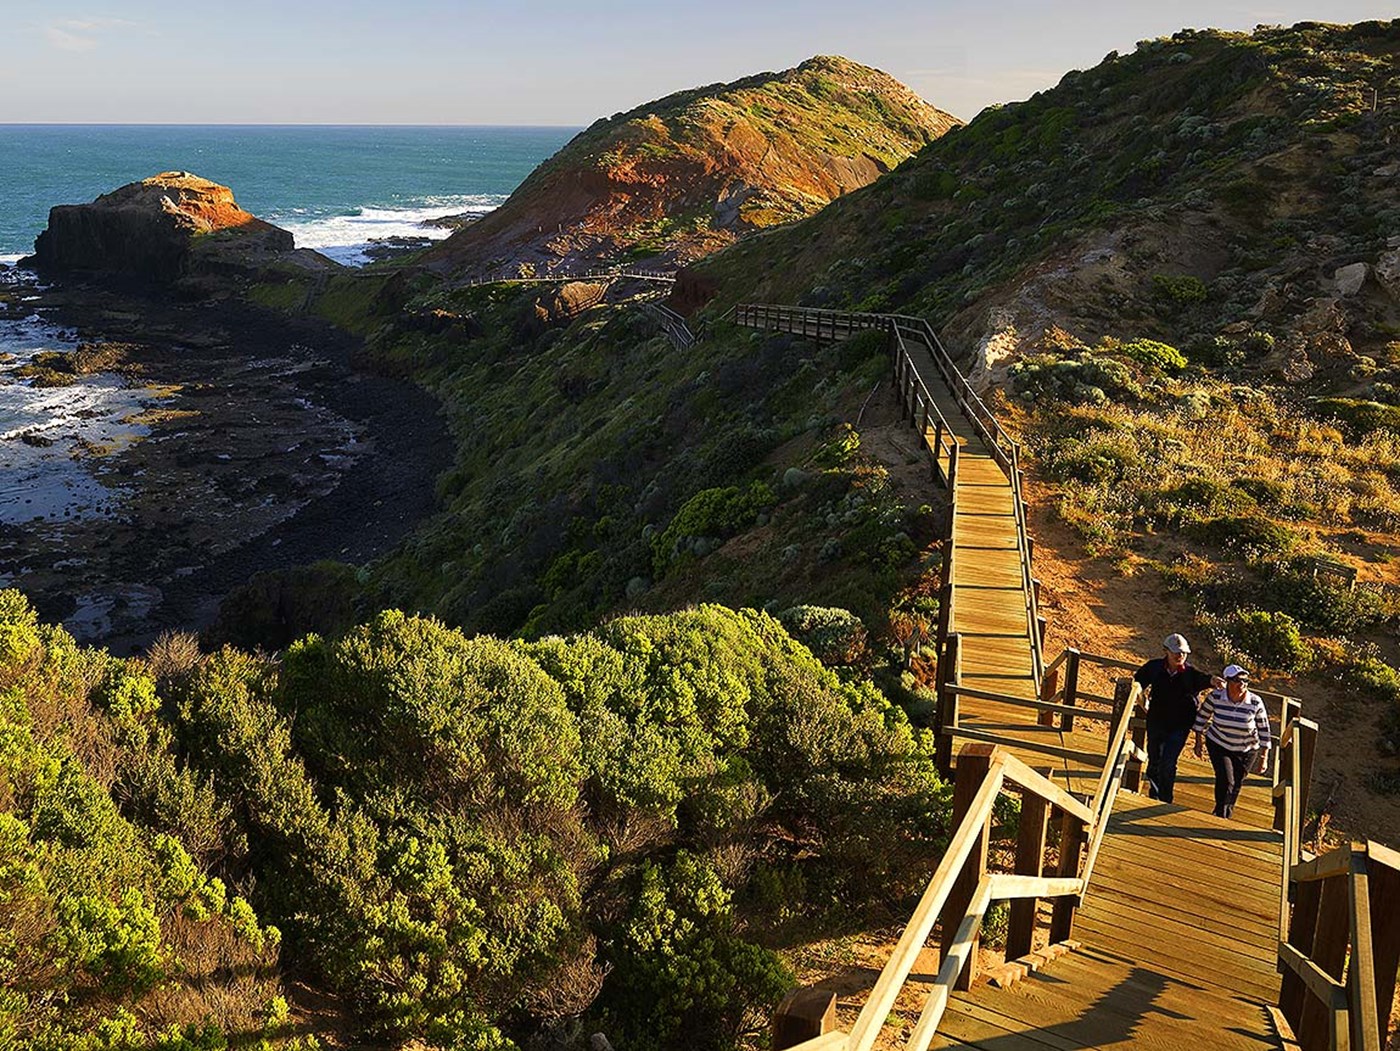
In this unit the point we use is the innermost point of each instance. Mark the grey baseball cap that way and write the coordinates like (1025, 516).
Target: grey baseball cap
(1176, 644)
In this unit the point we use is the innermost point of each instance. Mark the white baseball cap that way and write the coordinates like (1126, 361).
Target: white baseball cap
(1177, 644)
(1234, 671)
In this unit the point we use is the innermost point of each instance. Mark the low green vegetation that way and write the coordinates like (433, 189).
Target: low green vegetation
(115, 931)
(465, 839)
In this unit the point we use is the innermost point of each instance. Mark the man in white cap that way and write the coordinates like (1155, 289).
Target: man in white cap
(1172, 687)
(1235, 725)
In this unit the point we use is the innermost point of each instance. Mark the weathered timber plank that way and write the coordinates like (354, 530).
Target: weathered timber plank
(1188, 859)
(1190, 912)
(1241, 973)
(1001, 573)
(1245, 896)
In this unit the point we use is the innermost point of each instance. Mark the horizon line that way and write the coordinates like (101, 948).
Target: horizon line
(261, 124)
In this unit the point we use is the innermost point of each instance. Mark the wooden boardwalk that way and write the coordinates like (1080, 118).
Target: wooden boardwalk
(1180, 922)
(1178, 935)
(1194, 894)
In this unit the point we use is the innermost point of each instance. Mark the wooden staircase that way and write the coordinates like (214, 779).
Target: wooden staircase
(1181, 922)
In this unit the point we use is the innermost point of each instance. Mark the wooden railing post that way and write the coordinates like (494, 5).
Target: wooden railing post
(1318, 1025)
(1283, 771)
(1384, 891)
(803, 1015)
(974, 762)
(948, 674)
(1366, 1035)
(1072, 835)
(1122, 696)
(1049, 688)
(1071, 688)
(1302, 930)
(1307, 749)
(1030, 861)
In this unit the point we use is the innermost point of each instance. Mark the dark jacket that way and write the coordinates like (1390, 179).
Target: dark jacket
(1173, 702)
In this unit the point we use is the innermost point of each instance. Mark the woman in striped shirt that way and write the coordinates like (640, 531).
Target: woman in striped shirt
(1236, 730)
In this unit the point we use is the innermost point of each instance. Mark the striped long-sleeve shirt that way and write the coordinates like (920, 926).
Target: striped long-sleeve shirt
(1241, 727)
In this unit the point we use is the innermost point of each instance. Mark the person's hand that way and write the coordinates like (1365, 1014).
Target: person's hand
(1217, 682)
(1198, 749)
(1263, 767)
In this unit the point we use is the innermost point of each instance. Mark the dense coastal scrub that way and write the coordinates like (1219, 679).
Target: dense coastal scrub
(462, 837)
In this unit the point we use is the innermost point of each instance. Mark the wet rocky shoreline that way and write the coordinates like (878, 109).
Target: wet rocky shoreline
(264, 448)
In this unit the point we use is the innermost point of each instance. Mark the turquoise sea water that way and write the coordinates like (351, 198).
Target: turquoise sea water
(333, 187)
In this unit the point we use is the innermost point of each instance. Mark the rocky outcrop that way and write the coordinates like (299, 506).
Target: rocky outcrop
(679, 178)
(158, 230)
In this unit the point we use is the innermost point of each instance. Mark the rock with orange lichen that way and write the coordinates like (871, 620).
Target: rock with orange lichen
(158, 230)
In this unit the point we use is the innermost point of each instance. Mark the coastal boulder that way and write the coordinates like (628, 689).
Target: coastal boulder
(159, 230)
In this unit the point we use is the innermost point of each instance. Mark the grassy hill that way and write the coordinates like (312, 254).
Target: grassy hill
(682, 176)
(1151, 269)
(1176, 275)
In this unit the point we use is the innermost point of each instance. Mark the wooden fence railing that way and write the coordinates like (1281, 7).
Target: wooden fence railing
(1339, 928)
(905, 334)
(606, 273)
(962, 888)
(675, 327)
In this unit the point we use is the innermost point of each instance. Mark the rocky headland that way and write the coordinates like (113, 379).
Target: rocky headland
(257, 444)
(161, 229)
(676, 179)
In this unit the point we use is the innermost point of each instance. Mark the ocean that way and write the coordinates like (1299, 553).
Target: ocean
(334, 188)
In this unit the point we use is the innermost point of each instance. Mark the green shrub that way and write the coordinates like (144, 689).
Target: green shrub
(1330, 607)
(711, 514)
(117, 942)
(1094, 457)
(1153, 354)
(839, 449)
(1378, 682)
(1179, 289)
(1264, 640)
(1224, 351)
(1090, 379)
(1264, 491)
(835, 636)
(1253, 537)
(19, 628)
(1360, 417)
(1193, 500)
(682, 977)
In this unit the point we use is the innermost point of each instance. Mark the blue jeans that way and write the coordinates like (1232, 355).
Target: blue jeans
(1164, 745)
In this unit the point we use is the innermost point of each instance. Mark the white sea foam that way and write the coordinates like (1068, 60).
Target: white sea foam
(345, 237)
(10, 260)
(58, 481)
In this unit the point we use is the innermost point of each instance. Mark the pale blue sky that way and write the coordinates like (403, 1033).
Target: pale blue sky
(545, 62)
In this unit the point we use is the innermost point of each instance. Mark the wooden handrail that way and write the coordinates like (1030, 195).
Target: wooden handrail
(1006, 886)
(916, 932)
(1004, 450)
(1332, 955)
(1108, 662)
(1019, 773)
(1039, 748)
(1120, 749)
(976, 693)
